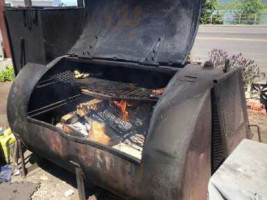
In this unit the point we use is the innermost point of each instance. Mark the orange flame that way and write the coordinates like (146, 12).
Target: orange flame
(123, 106)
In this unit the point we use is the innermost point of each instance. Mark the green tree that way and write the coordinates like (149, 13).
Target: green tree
(207, 17)
(247, 11)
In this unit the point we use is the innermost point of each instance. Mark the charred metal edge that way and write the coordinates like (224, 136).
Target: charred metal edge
(126, 64)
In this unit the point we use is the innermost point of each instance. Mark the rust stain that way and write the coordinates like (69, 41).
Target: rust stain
(132, 35)
(125, 20)
(54, 142)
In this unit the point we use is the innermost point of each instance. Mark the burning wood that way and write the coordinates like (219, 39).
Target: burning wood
(69, 118)
(157, 92)
(123, 106)
(107, 123)
(66, 129)
(84, 108)
(98, 133)
(138, 139)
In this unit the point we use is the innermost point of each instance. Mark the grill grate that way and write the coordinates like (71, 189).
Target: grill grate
(64, 77)
(217, 150)
(113, 89)
(101, 88)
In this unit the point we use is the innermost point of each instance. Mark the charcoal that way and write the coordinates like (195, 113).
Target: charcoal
(138, 122)
(138, 139)
(115, 121)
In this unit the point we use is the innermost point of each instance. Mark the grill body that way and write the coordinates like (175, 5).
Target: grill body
(195, 123)
(178, 153)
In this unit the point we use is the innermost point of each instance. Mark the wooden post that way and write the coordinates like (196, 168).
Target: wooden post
(5, 41)
(28, 3)
(255, 21)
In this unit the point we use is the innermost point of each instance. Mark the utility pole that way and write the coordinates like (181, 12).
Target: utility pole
(5, 41)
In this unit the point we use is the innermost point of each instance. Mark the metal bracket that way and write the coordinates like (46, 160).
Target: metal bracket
(21, 156)
(80, 180)
(258, 129)
(92, 46)
(226, 66)
(151, 57)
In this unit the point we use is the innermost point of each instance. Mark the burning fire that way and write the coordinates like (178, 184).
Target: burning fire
(123, 106)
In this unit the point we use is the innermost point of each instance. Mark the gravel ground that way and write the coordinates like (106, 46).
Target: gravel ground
(260, 119)
(21, 191)
(55, 182)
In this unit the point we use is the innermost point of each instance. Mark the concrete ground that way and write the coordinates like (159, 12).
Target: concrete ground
(55, 182)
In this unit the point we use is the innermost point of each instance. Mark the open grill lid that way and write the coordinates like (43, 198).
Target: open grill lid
(144, 31)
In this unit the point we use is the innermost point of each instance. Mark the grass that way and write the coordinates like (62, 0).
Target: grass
(7, 74)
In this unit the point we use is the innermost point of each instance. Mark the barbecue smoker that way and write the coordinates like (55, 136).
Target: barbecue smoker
(126, 109)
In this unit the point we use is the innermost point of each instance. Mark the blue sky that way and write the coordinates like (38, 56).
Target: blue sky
(69, 2)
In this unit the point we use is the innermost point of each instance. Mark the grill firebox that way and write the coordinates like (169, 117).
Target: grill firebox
(98, 106)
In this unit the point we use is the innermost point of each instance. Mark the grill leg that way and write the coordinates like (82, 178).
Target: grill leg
(21, 155)
(259, 132)
(80, 183)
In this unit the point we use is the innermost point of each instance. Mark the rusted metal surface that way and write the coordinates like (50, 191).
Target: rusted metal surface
(174, 165)
(140, 42)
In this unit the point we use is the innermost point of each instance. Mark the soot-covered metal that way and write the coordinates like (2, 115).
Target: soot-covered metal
(125, 107)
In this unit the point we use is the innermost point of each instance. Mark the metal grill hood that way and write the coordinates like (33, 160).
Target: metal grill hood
(143, 31)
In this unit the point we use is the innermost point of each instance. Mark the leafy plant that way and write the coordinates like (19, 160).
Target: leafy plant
(217, 18)
(247, 11)
(7, 74)
(250, 70)
(207, 17)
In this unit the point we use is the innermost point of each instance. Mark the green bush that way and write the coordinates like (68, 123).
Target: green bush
(207, 15)
(7, 74)
(247, 11)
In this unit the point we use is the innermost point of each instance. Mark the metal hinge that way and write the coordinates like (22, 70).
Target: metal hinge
(91, 49)
(151, 57)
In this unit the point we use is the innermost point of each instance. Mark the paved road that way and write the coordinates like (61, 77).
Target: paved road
(251, 41)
